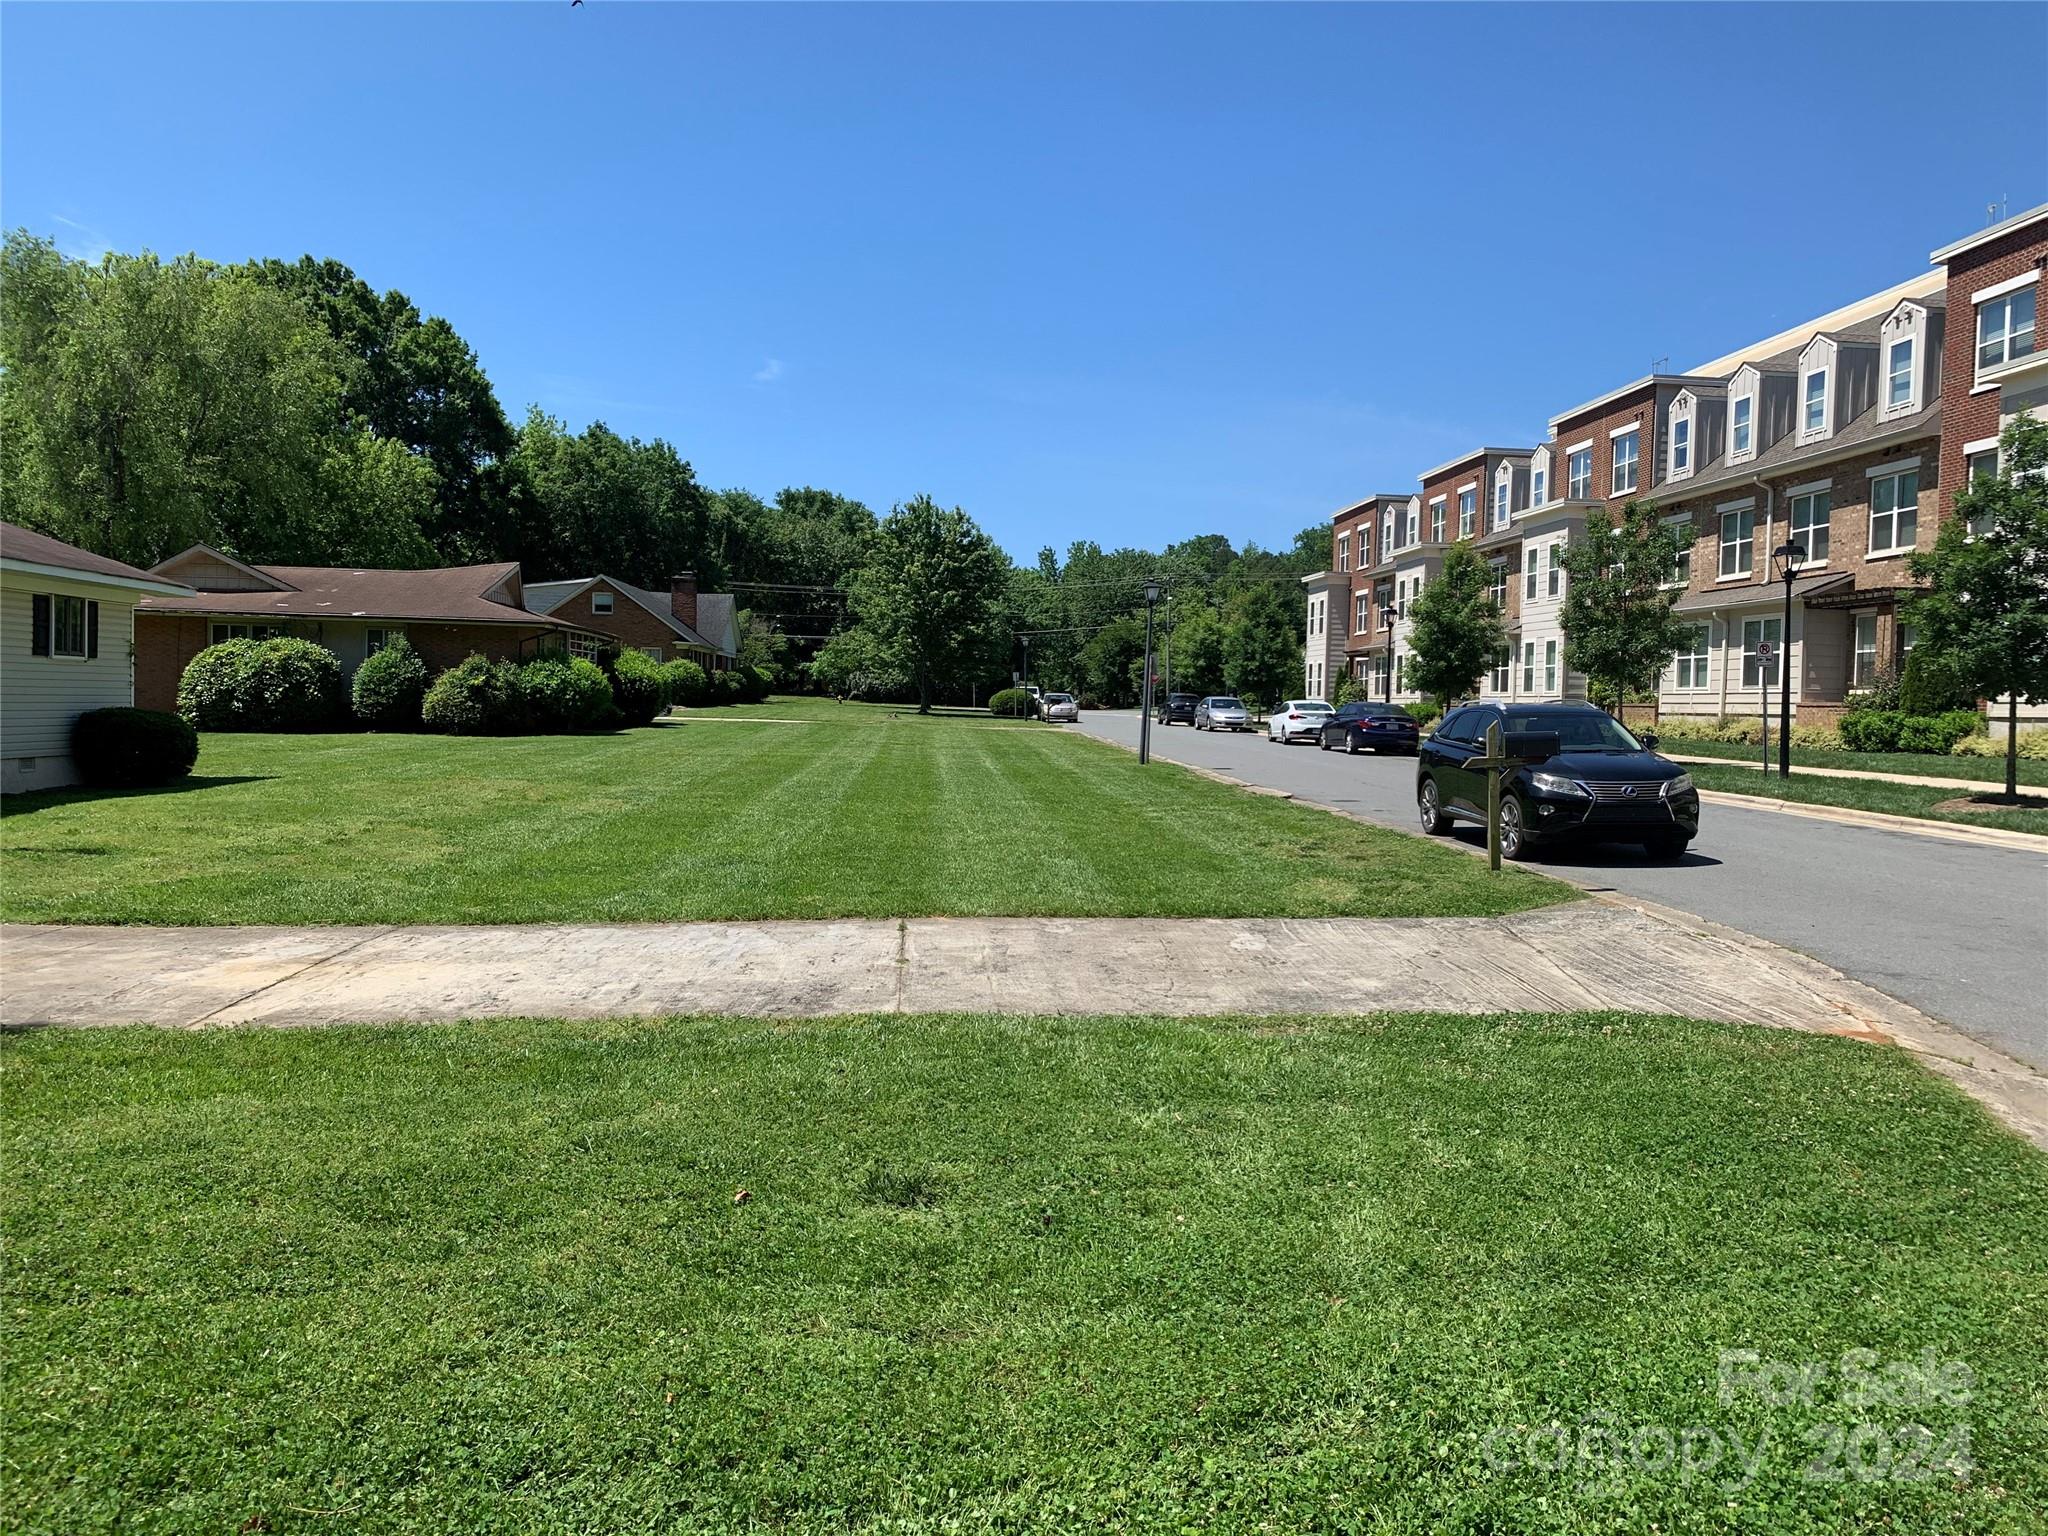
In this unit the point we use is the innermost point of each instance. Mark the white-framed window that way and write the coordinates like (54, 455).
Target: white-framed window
(1386, 531)
(1579, 473)
(219, 632)
(1681, 447)
(1814, 404)
(1501, 492)
(1497, 583)
(1980, 462)
(1863, 670)
(1755, 672)
(1531, 562)
(1414, 522)
(1436, 521)
(1343, 551)
(1528, 666)
(376, 639)
(1361, 613)
(1738, 539)
(1539, 480)
(72, 621)
(1681, 560)
(1626, 448)
(1816, 389)
(2005, 325)
(1550, 666)
(1807, 521)
(600, 602)
(1497, 675)
(1693, 656)
(1894, 511)
(1901, 340)
(1898, 375)
(1468, 511)
(1554, 577)
(1741, 428)
(651, 652)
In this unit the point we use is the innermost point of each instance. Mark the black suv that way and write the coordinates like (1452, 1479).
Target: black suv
(1179, 708)
(1600, 783)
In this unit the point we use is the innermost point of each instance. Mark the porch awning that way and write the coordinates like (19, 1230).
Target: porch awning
(1752, 594)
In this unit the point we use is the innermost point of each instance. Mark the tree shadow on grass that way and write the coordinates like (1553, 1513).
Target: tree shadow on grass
(80, 794)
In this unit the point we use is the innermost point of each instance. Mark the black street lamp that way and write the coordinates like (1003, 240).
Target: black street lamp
(1790, 556)
(1387, 617)
(1026, 684)
(1152, 591)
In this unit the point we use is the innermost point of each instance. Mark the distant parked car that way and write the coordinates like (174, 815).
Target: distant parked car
(1219, 712)
(1178, 707)
(1370, 727)
(1059, 706)
(1297, 720)
(1602, 782)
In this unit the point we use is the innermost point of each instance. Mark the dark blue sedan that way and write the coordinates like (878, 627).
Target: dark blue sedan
(1370, 728)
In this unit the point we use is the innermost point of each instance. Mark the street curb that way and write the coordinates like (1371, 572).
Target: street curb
(1910, 780)
(1955, 832)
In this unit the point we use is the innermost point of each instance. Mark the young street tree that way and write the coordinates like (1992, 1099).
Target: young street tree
(1261, 646)
(1454, 628)
(1619, 627)
(1984, 615)
(928, 595)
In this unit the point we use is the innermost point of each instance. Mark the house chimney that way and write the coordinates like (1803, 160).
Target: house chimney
(682, 597)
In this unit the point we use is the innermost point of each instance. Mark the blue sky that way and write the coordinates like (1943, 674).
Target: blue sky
(1122, 273)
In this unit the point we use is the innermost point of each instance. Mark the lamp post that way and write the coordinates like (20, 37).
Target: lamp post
(1026, 684)
(1152, 590)
(1790, 556)
(1387, 617)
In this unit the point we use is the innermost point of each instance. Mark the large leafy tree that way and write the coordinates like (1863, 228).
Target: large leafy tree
(1619, 627)
(595, 502)
(1198, 650)
(1262, 658)
(929, 595)
(1454, 629)
(1984, 615)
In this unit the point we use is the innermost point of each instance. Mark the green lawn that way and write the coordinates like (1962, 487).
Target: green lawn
(1866, 795)
(1990, 770)
(1278, 1275)
(852, 812)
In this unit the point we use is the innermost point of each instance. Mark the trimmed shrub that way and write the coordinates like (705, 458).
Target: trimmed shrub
(559, 695)
(132, 748)
(475, 697)
(1929, 687)
(686, 681)
(1013, 702)
(389, 688)
(1819, 737)
(727, 687)
(639, 688)
(1890, 730)
(2033, 746)
(760, 683)
(1872, 730)
(1426, 715)
(262, 685)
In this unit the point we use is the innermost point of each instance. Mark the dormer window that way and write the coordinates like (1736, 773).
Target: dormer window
(1816, 389)
(1414, 522)
(1503, 495)
(1386, 532)
(1898, 375)
(1743, 390)
(1539, 479)
(1678, 461)
(1904, 338)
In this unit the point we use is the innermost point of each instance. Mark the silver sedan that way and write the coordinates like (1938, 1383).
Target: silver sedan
(1059, 706)
(1220, 713)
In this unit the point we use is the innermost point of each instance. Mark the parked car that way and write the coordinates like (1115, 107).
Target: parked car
(1297, 720)
(1220, 712)
(1370, 727)
(1179, 707)
(1059, 706)
(1600, 782)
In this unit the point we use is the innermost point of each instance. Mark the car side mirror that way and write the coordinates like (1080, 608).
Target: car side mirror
(1532, 746)
(1649, 741)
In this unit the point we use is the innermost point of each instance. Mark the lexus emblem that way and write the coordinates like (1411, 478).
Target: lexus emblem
(1628, 791)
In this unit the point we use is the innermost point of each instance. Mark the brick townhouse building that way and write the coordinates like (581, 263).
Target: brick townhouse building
(1849, 433)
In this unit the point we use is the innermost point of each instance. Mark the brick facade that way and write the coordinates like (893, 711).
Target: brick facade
(1970, 414)
(629, 623)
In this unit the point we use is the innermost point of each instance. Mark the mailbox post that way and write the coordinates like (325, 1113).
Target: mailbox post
(1494, 764)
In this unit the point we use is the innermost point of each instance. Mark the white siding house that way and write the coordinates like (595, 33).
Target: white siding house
(67, 645)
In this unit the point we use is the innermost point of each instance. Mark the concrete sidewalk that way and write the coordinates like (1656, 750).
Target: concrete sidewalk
(1598, 954)
(1921, 780)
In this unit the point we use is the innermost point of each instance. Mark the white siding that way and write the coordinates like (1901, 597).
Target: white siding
(40, 696)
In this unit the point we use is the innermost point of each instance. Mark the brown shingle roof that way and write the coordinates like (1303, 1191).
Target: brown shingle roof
(32, 548)
(449, 594)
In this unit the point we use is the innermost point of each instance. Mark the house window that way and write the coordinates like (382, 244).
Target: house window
(1503, 663)
(651, 652)
(1468, 512)
(1865, 667)
(1436, 521)
(1580, 467)
(1550, 666)
(1625, 447)
(1414, 522)
(1681, 559)
(1386, 532)
(222, 632)
(1344, 552)
(1531, 558)
(2005, 328)
(1755, 672)
(1809, 524)
(1556, 573)
(1981, 465)
(379, 638)
(600, 602)
(1361, 611)
(1898, 381)
(1815, 419)
(1894, 511)
(1738, 535)
(1500, 504)
(1741, 427)
(584, 646)
(1538, 485)
(1681, 447)
(1528, 666)
(1497, 583)
(68, 627)
(1692, 658)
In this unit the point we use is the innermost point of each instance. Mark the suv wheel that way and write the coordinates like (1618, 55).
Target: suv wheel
(1323, 743)
(1427, 806)
(1514, 837)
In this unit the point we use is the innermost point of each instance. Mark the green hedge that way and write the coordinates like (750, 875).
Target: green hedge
(1012, 702)
(132, 748)
(1892, 730)
(687, 684)
(558, 695)
(389, 688)
(263, 685)
(639, 687)
(475, 697)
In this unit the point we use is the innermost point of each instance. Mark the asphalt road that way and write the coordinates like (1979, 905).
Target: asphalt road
(1958, 930)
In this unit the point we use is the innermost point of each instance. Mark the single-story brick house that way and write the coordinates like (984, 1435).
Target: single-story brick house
(67, 634)
(681, 623)
(445, 614)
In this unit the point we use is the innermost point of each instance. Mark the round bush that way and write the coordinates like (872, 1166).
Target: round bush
(557, 695)
(1012, 702)
(760, 683)
(686, 681)
(475, 697)
(132, 748)
(389, 687)
(728, 687)
(262, 685)
(639, 688)
(1872, 730)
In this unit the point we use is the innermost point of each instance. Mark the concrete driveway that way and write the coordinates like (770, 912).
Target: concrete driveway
(1957, 930)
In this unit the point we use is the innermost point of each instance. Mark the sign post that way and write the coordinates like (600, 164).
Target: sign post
(1494, 764)
(1764, 652)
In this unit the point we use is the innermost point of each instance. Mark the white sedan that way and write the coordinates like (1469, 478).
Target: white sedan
(1297, 720)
